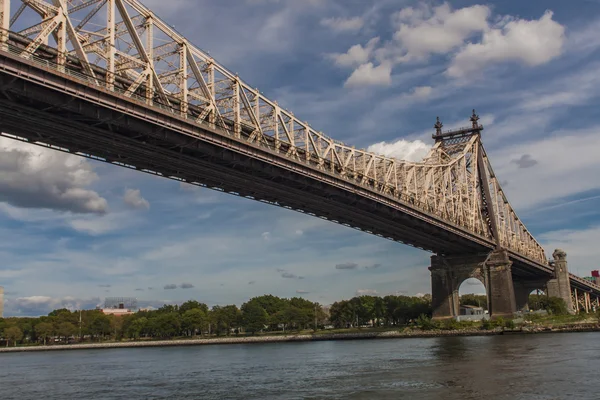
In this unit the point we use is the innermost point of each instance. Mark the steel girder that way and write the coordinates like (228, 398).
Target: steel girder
(122, 47)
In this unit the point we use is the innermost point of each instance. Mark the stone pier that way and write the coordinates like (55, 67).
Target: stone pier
(560, 286)
(494, 270)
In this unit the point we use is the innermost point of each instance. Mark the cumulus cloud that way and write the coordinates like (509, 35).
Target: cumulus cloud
(371, 75)
(37, 177)
(170, 286)
(186, 286)
(133, 198)
(266, 236)
(530, 42)
(42, 305)
(346, 266)
(401, 149)
(525, 161)
(343, 24)
(299, 232)
(356, 55)
(424, 30)
(422, 92)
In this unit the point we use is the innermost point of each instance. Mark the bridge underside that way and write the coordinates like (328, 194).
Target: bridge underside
(40, 113)
(44, 106)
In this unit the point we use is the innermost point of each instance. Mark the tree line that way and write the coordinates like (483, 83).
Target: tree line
(192, 318)
(260, 314)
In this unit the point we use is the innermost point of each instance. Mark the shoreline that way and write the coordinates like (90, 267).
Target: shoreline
(410, 334)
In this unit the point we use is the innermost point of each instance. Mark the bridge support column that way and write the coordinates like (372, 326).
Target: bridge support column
(444, 291)
(494, 270)
(560, 286)
(523, 289)
(501, 292)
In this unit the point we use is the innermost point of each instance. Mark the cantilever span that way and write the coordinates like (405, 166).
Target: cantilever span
(108, 79)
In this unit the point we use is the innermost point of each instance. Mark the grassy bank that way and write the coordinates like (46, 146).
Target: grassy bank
(424, 328)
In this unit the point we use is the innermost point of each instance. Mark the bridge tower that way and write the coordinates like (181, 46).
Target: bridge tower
(494, 269)
(560, 286)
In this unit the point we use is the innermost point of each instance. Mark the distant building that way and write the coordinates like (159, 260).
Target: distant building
(471, 310)
(1, 302)
(119, 306)
(116, 311)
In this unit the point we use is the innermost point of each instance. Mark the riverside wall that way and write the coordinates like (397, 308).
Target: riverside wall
(297, 338)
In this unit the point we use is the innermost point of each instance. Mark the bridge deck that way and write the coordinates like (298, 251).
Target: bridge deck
(40, 103)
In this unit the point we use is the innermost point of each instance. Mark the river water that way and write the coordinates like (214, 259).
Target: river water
(527, 367)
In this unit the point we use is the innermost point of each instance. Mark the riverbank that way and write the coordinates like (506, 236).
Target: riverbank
(404, 334)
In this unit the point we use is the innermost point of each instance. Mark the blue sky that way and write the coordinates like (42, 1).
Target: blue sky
(369, 73)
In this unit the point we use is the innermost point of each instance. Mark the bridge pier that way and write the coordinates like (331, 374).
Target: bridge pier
(494, 270)
(560, 285)
(523, 289)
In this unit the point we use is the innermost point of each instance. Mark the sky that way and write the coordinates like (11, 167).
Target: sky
(370, 73)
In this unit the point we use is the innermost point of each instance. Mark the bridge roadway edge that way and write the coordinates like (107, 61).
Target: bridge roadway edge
(395, 225)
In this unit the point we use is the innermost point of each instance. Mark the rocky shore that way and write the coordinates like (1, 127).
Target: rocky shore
(305, 338)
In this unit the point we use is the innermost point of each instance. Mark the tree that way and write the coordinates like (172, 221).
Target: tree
(137, 327)
(192, 304)
(99, 324)
(13, 334)
(66, 330)
(255, 317)
(166, 325)
(224, 318)
(194, 320)
(44, 330)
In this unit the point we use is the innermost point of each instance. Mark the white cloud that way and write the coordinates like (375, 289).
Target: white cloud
(560, 157)
(134, 199)
(356, 55)
(422, 92)
(343, 24)
(369, 75)
(530, 42)
(424, 30)
(99, 225)
(401, 149)
(36, 177)
(42, 305)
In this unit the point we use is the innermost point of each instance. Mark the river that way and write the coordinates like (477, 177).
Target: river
(516, 367)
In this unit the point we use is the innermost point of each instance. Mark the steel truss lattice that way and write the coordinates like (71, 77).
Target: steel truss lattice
(122, 46)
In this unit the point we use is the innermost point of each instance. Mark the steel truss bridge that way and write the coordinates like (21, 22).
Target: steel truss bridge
(109, 80)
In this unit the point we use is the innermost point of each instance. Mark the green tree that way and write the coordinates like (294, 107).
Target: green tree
(192, 304)
(137, 327)
(66, 330)
(44, 330)
(13, 334)
(194, 320)
(223, 319)
(255, 318)
(474, 300)
(98, 324)
(165, 325)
